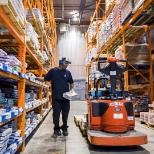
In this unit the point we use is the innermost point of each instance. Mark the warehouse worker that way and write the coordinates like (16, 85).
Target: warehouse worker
(61, 82)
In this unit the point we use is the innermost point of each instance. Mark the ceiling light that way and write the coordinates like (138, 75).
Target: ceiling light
(76, 14)
(75, 19)
(73, 12)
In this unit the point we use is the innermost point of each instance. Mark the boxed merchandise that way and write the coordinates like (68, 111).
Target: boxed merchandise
(70, 95)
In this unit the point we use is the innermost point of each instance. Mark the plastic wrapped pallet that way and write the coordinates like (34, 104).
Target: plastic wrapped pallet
(116, 22)
(92, 31)
(102, 34)
(126, 9)
(137, 4)
(141, 52)
(109, 27)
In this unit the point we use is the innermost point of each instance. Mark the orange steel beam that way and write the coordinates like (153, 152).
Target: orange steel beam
(124, 50)
(29, 51)
(97, 5)
(39, 5)
(11, 76)
(5, 20)
(21, 93)
(9, 45)
(151, 67)
(6, 37)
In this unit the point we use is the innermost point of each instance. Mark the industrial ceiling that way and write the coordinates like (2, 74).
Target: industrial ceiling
(74, 12)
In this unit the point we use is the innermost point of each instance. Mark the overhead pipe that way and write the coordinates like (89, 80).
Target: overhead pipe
(62, 18)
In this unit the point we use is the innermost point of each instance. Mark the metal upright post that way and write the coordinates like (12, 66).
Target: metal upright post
(151, 68)
(124, 51)
(21, 94)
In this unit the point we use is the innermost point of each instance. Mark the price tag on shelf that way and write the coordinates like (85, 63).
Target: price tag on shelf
(0, 118)
(15, 72)
(8, 115)
(1, 66)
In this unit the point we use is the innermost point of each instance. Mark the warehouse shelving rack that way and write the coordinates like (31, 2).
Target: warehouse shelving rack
(48, 41)
(127, 33)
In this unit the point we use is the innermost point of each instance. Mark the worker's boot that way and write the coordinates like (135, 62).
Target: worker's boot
(56, 134)
(65, 132)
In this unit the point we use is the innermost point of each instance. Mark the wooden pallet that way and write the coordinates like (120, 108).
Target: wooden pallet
(77, 118)
(148, 125)
(80, 121)
(11, 12)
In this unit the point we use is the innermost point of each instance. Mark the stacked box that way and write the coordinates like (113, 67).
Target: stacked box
(137, 4)
(92, 31)
(142, 116)
(33, 35)
(126, 10)
(37, 14)
(10, 62)
(116, 22)
(19, 7)
(150, 118)
(109, 27)
(119, 53)
(142, 105)
(107, 4)
(4, 138)
(102, 34)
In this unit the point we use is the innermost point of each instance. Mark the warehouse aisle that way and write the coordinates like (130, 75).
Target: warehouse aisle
(42, 143)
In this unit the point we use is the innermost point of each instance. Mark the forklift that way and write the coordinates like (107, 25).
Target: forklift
(111, 119)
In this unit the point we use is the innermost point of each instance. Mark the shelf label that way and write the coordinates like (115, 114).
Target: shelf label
(118, 116)
(130, 118)
(8, 115)
(1, 66)
(112, 72)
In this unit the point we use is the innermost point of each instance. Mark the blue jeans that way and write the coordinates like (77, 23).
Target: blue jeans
(59, 106)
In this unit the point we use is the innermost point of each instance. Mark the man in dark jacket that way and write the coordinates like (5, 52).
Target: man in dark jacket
(61, 82)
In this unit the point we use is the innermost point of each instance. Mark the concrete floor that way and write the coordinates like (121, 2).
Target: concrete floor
(42, 142)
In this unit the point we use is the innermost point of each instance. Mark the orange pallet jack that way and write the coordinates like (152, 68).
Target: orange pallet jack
(111, 119)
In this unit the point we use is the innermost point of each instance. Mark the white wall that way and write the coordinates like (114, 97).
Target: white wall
(71, 45)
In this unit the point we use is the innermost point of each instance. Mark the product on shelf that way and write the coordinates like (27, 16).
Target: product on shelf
(137, 4)
(4, 138)
(38, 17)
(31, 122)
(142, 105)
(19, 8)
(126, 10)
(33, 35)
(141, 52)
(10, 63)
(108, 3)
(116, 22)
(109, 27)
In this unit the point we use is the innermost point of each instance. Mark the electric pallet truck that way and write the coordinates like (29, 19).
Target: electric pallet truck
(111, 119)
